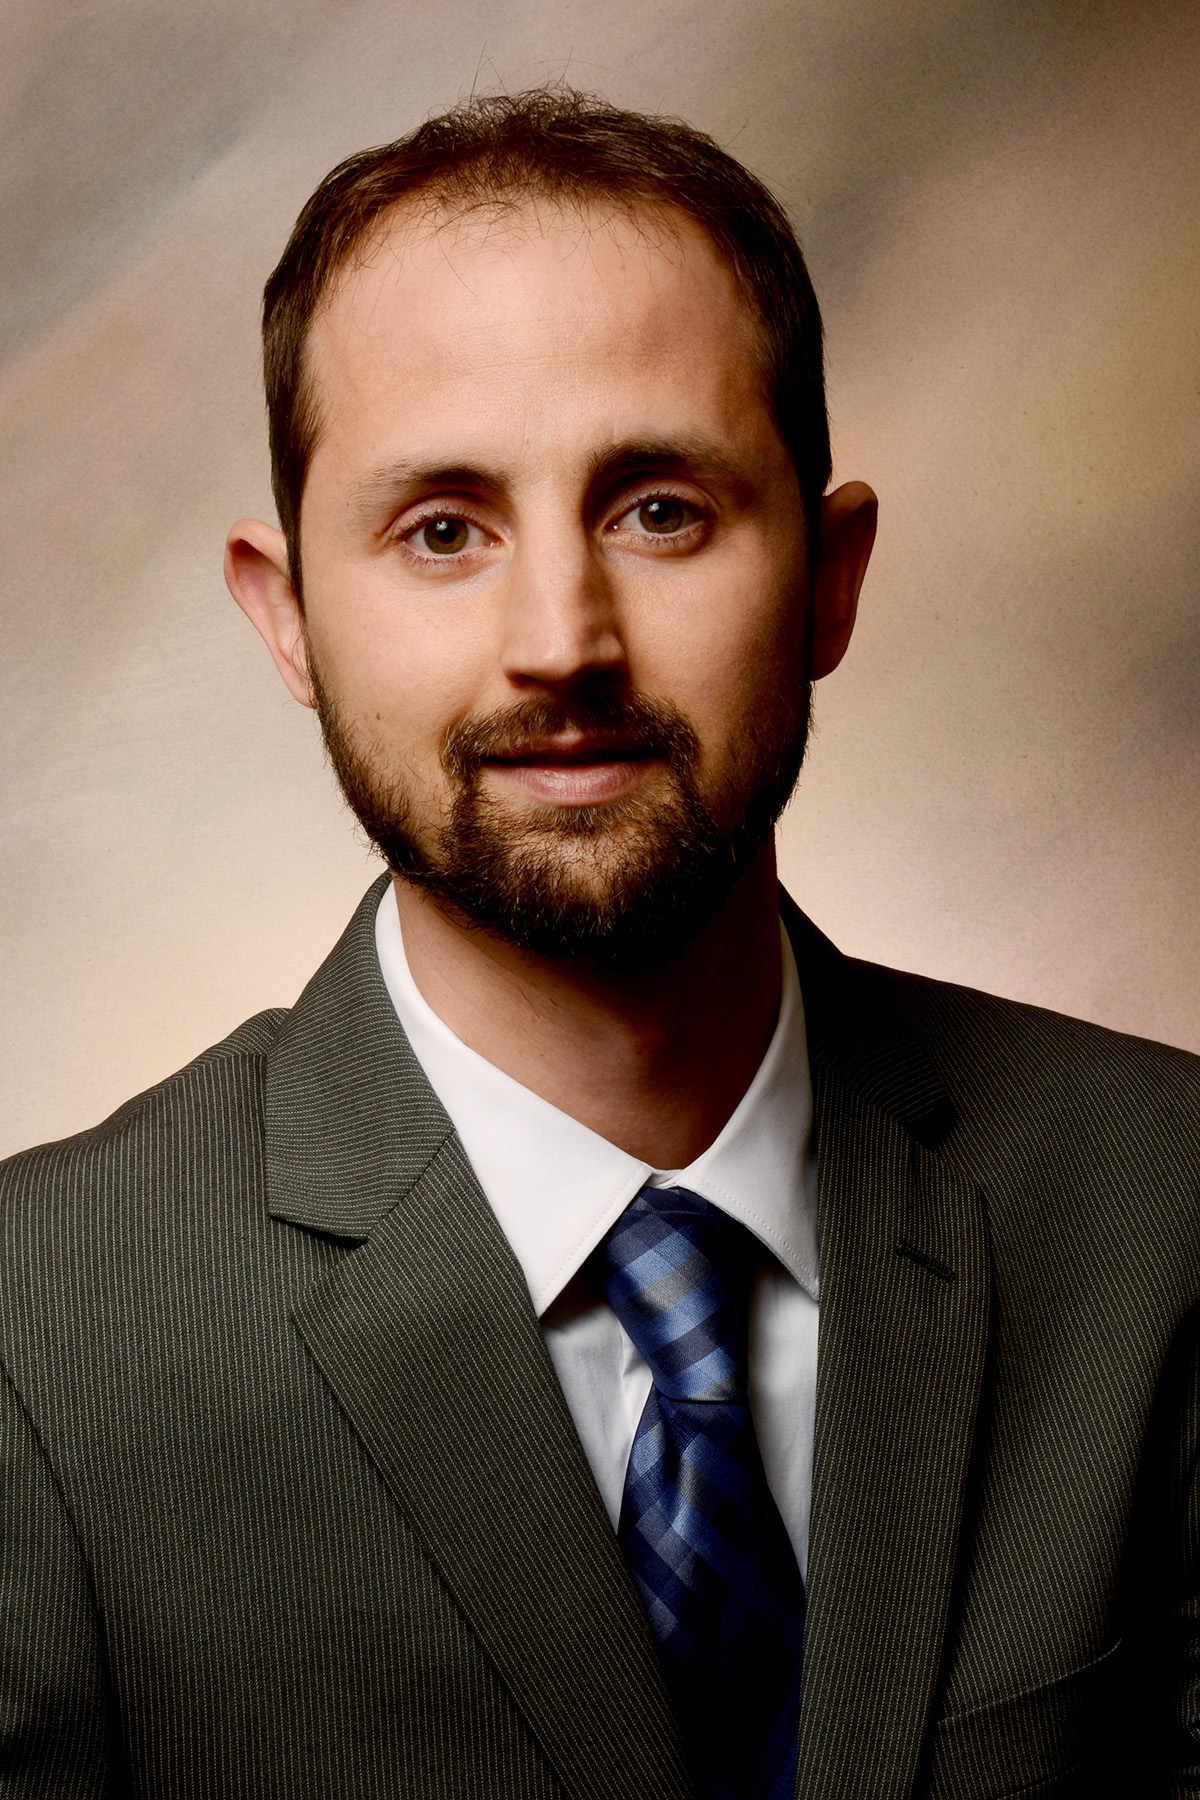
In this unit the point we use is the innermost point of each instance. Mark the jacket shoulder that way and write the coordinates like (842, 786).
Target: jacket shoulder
(1050, 1047)
(1002, 1063)
(221, 1075)
(1080, 1093)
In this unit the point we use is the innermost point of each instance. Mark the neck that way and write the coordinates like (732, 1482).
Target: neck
(655, 1063)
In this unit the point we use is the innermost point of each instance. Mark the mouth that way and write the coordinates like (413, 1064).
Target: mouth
(574, 769)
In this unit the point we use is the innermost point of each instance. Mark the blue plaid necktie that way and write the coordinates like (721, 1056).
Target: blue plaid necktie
(699, 1528)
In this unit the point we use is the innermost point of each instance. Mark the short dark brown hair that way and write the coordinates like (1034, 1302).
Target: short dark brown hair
(556, 143)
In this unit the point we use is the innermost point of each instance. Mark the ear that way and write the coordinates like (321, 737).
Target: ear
(256, 574)
(848, 519)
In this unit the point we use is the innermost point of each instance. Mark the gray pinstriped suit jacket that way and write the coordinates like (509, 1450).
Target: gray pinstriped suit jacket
(291, 1504)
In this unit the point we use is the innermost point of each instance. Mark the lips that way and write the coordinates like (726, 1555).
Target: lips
(554, 742)
(582, 771)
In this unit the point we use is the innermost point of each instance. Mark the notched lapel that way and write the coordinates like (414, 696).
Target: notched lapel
(905, 1274)
(349, 1118)
(902, 1351)
(426, 1335)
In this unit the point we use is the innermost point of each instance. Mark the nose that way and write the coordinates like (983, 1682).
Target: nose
(561, 628)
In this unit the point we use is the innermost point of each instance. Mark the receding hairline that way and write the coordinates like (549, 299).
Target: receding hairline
(445, 202)
(441, 204)
(492, 154)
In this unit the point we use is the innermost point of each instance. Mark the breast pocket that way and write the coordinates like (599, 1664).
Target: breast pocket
(1030, 1746)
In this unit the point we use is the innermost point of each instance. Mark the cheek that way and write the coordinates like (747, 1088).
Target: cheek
(404, 672)
(737, 645)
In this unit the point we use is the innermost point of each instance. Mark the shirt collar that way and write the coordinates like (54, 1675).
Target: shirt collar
(556, 1187)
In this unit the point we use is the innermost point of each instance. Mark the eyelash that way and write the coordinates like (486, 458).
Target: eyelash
(431, 517)
(648, 499)
(410, 530)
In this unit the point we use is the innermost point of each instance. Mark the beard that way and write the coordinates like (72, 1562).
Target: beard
(621, 886)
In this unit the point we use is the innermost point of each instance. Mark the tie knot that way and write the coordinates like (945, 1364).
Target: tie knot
(676, 1271)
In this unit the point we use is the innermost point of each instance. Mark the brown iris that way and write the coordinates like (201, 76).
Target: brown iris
(444, 536)
(662, 516)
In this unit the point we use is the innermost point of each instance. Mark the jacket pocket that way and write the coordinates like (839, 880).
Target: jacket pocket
(1031, 1746)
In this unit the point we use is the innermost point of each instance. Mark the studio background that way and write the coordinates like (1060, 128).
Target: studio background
(999, 204)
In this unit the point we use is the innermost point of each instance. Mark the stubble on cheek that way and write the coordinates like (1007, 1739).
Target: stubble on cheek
(623, 884)
(380, 783)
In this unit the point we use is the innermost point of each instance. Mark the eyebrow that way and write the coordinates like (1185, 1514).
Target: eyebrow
(398, 477)
(697, 453)
(391, 480)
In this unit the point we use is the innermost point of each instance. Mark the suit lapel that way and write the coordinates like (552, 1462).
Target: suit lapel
(903, 1341)
(427, 1337)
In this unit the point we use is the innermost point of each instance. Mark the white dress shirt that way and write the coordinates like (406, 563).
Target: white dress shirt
(556, 1187)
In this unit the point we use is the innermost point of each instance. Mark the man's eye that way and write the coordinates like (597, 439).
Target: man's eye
(445, 536)
(659, 517)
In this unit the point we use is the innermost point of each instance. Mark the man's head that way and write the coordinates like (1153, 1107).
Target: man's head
(506, 151)
(549, 446)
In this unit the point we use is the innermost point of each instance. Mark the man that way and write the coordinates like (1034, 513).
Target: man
(419, 1393)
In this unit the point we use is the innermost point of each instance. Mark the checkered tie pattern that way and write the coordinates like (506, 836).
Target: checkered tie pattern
(699, 1528)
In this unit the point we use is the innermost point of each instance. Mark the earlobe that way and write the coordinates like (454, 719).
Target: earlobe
(848, 519)
(257, 575)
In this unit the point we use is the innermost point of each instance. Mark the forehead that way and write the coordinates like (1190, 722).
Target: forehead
(516, 314)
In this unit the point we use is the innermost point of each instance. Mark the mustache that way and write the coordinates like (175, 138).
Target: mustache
(633, 726)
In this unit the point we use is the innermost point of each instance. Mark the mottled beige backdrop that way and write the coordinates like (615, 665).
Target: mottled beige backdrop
(1000, 207)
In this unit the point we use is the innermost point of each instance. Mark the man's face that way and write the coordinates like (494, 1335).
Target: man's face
(555, 573)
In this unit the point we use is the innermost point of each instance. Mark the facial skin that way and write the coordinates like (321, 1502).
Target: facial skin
(547, 485)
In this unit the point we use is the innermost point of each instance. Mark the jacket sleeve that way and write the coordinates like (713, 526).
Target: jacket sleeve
(54, 1725)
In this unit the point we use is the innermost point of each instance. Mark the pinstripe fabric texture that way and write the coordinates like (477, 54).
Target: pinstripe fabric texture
(237, 1559)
